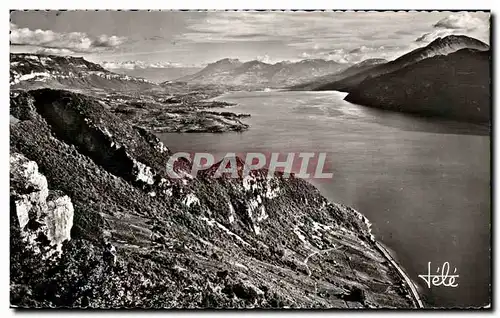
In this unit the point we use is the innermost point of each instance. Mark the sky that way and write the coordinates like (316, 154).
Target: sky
(142, 39)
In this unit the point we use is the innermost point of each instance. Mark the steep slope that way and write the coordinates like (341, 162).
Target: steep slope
(38, 71)
(259, 74)
(354, 69)
(142, 239)
(455, 86)
(440, 46)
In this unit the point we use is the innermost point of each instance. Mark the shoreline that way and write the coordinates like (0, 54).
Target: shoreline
(413, 288)
(399, 268)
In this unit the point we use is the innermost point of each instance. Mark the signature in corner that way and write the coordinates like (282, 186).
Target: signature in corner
(442, 276)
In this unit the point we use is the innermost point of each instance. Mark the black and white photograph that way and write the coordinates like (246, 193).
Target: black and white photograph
(250, 159)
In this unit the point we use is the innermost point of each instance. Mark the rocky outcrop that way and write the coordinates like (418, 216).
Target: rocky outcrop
(455, 86)
(44, 217)
(206, 242)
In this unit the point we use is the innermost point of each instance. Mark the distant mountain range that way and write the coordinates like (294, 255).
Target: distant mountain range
(260, 74)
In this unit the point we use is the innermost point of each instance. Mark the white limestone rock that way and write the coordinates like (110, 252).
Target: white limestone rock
(51, 212)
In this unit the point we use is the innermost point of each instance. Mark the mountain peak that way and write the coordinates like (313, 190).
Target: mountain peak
(457, 40)
(227, 61)
(256, 62)
(441, 46)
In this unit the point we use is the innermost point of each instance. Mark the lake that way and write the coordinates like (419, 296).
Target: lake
(424, 184)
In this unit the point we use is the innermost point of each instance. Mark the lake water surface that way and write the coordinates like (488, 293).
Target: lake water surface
(424, 184)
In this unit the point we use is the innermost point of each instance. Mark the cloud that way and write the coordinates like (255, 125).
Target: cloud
(461, 20)
(338, 55)
(362, 49)
(267, 59)
(132, 65)
(108, 41)
(475, 25)
(53, 51)
(431, 36)
(361, 53)
(292, 28)
(72, 41)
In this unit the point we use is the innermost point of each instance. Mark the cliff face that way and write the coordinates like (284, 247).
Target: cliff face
(455, 86)
(90, 191)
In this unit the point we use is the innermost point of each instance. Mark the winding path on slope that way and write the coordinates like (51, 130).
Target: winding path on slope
(314, 253)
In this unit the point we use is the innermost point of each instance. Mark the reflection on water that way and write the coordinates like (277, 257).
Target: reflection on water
(424, 184)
